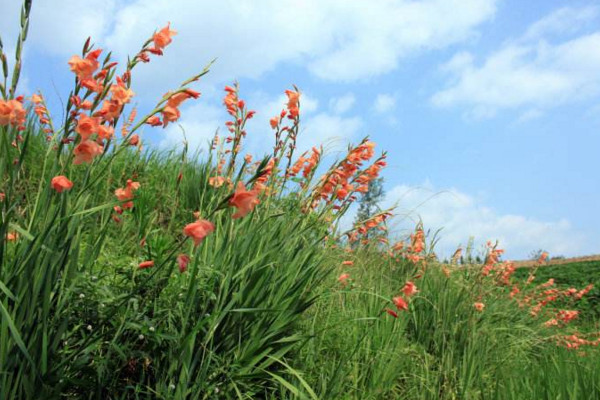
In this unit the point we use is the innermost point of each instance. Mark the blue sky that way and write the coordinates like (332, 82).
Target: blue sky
(489, 109)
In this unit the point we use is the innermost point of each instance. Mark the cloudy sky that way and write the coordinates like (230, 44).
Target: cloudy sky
(490, 109)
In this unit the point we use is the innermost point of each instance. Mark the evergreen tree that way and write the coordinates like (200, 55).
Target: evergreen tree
(368, 204)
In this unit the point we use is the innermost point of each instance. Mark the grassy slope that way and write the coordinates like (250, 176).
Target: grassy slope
(239, 321)
(442, 348)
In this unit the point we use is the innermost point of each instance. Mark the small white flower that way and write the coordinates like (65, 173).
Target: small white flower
(172, 386)
(89, 328)
(82, 296)
(151, 329)
(141, 337)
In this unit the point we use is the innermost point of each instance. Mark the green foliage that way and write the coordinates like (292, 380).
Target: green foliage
(577, 275)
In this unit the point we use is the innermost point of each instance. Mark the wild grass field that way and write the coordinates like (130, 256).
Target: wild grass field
(128, 272)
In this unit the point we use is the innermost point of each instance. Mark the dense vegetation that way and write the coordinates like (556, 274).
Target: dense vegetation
(576, 274)
(131, 273)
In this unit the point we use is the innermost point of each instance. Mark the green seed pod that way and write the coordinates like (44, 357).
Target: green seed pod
(15, 78)
(4, 65)
(25, 29)
(19, 48)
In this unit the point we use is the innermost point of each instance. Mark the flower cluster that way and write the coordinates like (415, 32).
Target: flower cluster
(306, 164)
(402, 301)
(362, 228)
(575, 341)
(342, 180)
(95, 114)
(126, 195)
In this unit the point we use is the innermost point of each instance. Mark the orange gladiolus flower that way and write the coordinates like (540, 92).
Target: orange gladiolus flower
(86, 151)
(183, 260)
(126, 194)
(134, 140)
(400, 303)
(343, 279)
(12, 236)
(552, 322)
(243, 200)
(36, 98)
(121, 94)
(86, 126)
(198, 230)
(11, 113)
(60, 183)
(92, 85)
(391, 312)
(479, 306)
(178, 98)
(105, 132)
(170, 114)
(146, 264)
(163, 37)
(514, 291)
(154, 121)
(110, 110)
(409, 289)
(274, 122)
(84, 67)
(348, 262)
(292, 105)
(549, 283)
(217, 181)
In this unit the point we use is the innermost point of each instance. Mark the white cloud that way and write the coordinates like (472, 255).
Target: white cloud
(384, 103)
(58, 27)
(527, 73)
(197, 126)
(333, 131)
(317, 126)
(360, 48)
(336, 40)
(462, 216)
(566, 20)
(340, 105)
